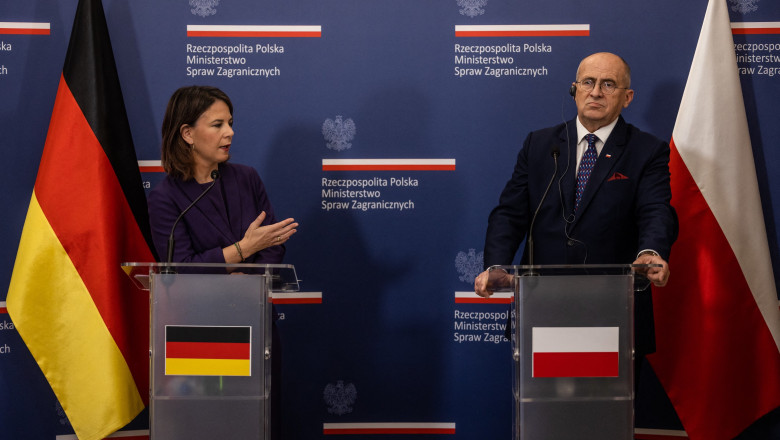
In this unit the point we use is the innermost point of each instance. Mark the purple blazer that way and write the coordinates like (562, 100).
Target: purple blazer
(218, 220)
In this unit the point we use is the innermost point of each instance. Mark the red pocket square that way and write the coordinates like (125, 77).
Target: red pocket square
(617, 176)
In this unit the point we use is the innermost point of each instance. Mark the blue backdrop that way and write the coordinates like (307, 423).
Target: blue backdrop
(377, 80)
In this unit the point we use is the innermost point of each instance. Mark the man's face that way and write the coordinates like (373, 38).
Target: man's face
(595, 108)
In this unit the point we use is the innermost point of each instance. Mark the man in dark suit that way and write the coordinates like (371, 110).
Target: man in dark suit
(620, 214)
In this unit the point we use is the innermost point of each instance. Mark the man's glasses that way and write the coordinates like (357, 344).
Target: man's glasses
(607, 87)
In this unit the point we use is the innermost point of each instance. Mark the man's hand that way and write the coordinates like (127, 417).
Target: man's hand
(491, 280)
(659, 276)
(481, 284)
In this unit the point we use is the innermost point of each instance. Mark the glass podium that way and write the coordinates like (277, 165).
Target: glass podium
(572, 348)
(210, 347)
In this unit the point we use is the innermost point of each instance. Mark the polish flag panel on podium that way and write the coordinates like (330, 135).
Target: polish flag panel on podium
(575, 351)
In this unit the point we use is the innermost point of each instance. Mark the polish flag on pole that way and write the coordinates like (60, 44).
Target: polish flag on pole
(717, 321)
(575, 351)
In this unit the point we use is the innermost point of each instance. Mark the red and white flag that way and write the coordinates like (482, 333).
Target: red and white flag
(575, 351)
(717, 321)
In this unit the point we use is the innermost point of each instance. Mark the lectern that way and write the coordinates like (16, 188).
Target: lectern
(573, 349)
(210, 347)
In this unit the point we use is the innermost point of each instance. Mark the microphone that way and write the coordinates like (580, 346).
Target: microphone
(214, 176)
(555, 152)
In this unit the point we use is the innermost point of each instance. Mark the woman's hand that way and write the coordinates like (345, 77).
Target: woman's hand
(259, 237)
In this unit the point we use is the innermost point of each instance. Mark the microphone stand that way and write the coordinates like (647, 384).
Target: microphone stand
(171, 241)
(530, 241)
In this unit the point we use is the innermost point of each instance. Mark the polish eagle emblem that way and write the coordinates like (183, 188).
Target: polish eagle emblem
(472, 8)
(744, 6)
(340, 397)
(469, 265)
(204, 8)
(338, 133)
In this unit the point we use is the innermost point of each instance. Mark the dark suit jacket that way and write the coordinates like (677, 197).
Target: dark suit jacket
(218, 220)
(625, 207)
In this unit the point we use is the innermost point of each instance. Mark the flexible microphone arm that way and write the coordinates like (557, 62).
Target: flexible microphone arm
(556, 151)
(214, 176)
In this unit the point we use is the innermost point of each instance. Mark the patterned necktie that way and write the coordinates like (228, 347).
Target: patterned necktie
(586, 166)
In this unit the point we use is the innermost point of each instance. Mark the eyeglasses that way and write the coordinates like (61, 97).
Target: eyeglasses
(607, 87)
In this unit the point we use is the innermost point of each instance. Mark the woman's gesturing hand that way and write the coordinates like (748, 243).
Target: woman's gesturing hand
(259, 237)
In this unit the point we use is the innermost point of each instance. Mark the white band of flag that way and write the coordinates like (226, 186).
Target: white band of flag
(523, 30)
(757, 27)
(296, 298)
(387, 428)
(388, 164)
(574, 339)
(22, 28)
(495, 298)
(194, 30)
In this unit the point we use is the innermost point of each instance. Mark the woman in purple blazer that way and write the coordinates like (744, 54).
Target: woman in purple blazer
(234, 221)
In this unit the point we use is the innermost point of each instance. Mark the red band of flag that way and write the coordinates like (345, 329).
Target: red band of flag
(576, 364)
(206, 350)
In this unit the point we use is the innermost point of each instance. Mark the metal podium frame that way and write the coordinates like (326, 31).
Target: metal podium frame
(572, 349)
(210, 347)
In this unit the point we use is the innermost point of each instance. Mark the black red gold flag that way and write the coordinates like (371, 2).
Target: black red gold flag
(208, 351)
(81, 317)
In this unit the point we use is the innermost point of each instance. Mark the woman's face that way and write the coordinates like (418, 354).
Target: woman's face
(211, 136)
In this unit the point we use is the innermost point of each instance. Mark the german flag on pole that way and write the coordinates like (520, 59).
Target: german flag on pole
(82, 319)
(208, 350)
